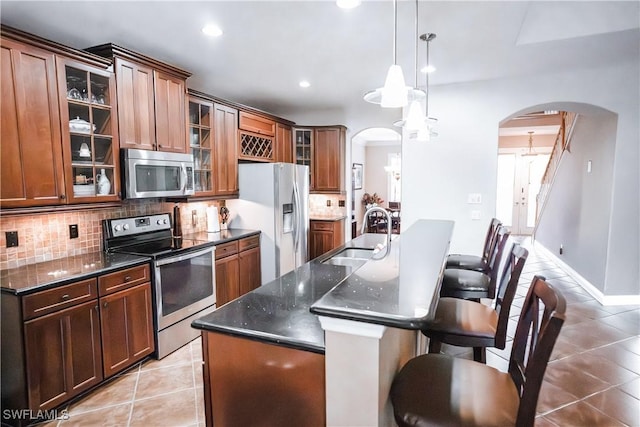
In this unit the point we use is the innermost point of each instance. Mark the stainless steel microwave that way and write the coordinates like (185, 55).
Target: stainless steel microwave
(157, 174)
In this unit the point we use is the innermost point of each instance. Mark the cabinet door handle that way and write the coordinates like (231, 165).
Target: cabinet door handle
(105, 304)
(64, 297)
(127, 278)
(62, 197)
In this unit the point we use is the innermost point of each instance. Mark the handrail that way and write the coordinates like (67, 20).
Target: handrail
(562, 144)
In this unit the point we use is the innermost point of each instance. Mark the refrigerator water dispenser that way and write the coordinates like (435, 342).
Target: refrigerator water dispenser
(287, 218)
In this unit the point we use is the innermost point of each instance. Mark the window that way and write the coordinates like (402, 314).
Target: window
(394, 177)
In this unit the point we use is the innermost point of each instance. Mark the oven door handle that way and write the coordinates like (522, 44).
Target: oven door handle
(188, 255)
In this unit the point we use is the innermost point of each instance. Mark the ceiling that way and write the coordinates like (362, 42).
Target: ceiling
(269, 46)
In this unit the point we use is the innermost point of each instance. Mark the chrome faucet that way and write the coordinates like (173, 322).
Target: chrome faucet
(387, 214)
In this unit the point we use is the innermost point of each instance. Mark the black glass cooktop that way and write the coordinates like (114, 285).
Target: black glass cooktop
(164, 247)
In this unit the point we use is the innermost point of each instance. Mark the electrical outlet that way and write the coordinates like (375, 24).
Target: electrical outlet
(474, 198)
(73, 231)
(12, 238)
(475, 215)
(328, 202)
(341, 203)
(561, 250)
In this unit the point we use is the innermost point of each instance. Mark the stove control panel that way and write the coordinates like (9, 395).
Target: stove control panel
(138, 225)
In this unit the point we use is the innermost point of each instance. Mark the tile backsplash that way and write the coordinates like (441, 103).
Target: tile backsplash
(45, 236)
(318, 205)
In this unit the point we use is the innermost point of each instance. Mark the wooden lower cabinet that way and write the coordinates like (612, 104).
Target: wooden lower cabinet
(60, 342)
(237, 268)
(227, 279)
(126, 322)
(246, 380)
(324, 236)
(63, 355)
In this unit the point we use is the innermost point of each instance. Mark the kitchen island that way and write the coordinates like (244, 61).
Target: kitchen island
(320, 345)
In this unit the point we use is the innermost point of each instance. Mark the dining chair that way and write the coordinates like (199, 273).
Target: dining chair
(475, 262)
(474, 285)
(436, 389)
(467, 323)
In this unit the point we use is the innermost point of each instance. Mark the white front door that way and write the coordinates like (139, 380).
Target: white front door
(519, 178)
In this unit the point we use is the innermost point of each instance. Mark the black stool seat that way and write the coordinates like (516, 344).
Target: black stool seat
(456, 282)
(467, 262)
(438, 390)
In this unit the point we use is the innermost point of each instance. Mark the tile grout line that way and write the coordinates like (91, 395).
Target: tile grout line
(133, 397)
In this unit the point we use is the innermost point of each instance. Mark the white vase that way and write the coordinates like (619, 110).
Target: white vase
(104, 185)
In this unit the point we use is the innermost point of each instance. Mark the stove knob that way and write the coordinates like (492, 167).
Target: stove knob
(165, 221)
(117, 228)
(125, 227)
(159, 222)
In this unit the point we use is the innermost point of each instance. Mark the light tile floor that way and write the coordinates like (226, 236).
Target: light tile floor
(593, 378)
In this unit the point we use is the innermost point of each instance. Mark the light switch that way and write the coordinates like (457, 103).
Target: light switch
(588, 166)
(475, 215)
(474, 198)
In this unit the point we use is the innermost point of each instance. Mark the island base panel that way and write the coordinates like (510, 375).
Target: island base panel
(254, 383)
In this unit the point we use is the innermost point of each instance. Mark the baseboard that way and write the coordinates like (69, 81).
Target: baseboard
(586, 285)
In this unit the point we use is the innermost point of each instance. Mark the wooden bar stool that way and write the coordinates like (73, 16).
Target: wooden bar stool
(473, 285)
(475, 262)
(439, 390)
(472, 324)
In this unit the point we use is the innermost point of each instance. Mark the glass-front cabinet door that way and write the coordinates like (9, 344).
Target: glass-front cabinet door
(201, 141)
(303, 143)
(89, 132)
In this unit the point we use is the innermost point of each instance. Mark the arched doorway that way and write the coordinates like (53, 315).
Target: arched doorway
(371, 150)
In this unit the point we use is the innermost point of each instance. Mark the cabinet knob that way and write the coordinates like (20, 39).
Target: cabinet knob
(127, 278)
(62, 197)
(64, 297)
(105, 304)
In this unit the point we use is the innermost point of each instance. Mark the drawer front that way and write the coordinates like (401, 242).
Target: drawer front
(321, 225)
(51, 300)
(114, 282)
(249, 242)
(226, 249)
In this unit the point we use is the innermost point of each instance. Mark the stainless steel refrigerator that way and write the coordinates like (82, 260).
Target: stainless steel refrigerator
(274, 198)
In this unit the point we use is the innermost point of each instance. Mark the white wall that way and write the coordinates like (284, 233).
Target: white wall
(438, 176)
(578, 209)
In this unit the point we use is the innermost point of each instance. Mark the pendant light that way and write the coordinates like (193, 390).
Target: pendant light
(428, 123)
(415, 117)
(394, 92)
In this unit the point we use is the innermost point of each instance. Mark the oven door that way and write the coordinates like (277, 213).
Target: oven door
(184, 285)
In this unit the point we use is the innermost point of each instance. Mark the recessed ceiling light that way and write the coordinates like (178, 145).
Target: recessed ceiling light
(212, 30)
(347, 4)
(304, 83)
(429, 69)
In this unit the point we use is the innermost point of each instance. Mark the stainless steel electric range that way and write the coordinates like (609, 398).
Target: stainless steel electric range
(183, 274)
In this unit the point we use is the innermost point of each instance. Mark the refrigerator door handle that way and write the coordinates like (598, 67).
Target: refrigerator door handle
(296, 216)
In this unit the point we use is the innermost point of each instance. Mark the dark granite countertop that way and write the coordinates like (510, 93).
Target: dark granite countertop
(44, 275)
(278, 311)
(399, 291)
(222, 236)
(327, 217)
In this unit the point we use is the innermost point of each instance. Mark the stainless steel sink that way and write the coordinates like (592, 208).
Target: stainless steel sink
(350, 257)
(354, 253)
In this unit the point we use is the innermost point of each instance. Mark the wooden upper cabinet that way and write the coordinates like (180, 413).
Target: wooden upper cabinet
(170, 113)
(31, 151)
(225, 150)
(328, 159)
(284, 143)
(135, 105)
(257, 124)
(151, 100)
